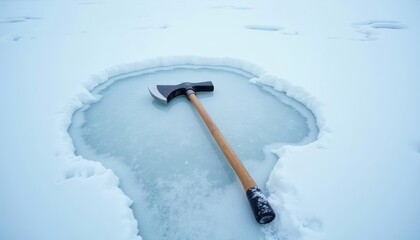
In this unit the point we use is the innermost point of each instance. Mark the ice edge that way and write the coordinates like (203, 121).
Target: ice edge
(77, 165)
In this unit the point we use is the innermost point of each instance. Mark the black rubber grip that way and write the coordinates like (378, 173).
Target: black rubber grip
(260, 207)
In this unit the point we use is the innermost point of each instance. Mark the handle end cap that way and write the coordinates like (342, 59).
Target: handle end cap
(262, 210)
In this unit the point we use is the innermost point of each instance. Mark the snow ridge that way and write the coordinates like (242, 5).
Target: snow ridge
(290, 220)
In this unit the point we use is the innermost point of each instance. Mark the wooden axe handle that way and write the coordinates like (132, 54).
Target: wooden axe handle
(235, 162)
(262, 210)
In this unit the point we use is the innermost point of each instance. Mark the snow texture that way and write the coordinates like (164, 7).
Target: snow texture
(160, 152)
(353, 64)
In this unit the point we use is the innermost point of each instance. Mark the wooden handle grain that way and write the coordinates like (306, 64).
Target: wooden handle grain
(235, 162)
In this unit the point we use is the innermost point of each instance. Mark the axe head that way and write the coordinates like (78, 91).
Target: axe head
(165, 93)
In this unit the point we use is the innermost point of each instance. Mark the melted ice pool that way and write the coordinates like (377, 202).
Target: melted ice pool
(167, 161)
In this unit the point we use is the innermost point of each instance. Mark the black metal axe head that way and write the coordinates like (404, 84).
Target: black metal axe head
(165, 93)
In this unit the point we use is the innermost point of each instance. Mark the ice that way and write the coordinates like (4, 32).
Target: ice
(370, 29)
(354, 64)
(264, 27)
(168, 164)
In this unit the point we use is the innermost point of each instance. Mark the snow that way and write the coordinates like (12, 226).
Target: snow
(163, 150)
(353, 64)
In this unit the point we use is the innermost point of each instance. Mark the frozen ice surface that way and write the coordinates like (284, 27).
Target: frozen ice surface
(264, 27)
(359, 180)
(181, 184)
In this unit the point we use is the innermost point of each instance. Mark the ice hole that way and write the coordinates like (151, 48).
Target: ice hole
(167, 162)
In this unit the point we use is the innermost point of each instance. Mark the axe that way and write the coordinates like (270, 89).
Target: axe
(165, 93)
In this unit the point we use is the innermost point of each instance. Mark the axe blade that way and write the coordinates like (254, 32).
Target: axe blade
(165, 93)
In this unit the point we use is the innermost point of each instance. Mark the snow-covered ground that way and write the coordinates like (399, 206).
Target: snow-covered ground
(354, 64)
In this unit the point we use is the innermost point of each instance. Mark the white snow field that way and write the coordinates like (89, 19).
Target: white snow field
(353, 64)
